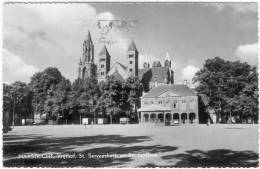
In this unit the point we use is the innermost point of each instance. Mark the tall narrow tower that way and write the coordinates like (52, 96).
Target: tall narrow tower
(132, 60)
(146, 64)
(103, 64)
(170, 72)
(167, 61)
(87, 68)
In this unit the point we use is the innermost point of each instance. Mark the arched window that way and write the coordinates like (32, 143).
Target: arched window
(153, 117)
(146, 117)
(168, 117)
(176, 118)
(160, 117)
(184, 117)
(192, 116)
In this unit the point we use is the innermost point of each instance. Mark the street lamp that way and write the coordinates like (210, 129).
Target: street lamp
(13, 108)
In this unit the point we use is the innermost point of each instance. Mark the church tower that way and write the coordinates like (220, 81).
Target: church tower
(170, 72)
(167, 62)
(103, 64)
(132, 60)
(87, 68)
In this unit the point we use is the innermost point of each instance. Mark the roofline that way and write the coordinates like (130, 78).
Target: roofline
(168, 96)
(153, 110)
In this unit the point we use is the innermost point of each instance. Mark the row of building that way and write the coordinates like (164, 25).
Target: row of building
(162, 100)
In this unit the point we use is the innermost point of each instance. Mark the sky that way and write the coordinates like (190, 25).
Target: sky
(37, 36)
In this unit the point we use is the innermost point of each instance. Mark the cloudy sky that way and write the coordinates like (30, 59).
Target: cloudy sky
(36, 36)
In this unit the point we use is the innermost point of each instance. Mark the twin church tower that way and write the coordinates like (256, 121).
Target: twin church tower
(87, 67)
(150, 76)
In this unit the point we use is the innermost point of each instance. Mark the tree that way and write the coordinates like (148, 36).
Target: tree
(17, 100)
(86, 93)
(134, 88)
(44, 86)
(59, 97)
(110, 100)
(225, 83)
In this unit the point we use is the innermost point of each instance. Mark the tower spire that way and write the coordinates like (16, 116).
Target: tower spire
(167, 56)
(89, 37)
(167, 61)
(104, 50)
(132, 46)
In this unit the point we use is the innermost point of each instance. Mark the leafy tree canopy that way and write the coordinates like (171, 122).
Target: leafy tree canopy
(231, 86)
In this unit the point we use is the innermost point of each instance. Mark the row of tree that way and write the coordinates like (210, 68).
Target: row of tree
(232, 88)
(52, 97)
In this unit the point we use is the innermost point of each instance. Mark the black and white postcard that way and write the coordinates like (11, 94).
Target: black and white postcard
(136, 84)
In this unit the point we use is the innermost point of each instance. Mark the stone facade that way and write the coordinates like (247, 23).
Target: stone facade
(87, 67)
(103, 64)
(175, 103)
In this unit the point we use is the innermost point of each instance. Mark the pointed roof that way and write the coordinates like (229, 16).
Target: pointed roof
(89, 37)
(117, 75)
(104, 51)
(132, 47)
(119, 68)
(167, 56)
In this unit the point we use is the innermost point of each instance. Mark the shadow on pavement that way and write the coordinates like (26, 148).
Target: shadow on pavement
(114, 144)
(15, 145)
(212, 158)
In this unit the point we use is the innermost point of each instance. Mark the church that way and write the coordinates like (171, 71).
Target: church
(162, 100)
(150, 77)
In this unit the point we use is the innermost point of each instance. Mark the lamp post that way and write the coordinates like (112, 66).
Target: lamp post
(13, 109)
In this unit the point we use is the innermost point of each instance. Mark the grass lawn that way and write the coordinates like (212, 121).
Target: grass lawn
(143, 145)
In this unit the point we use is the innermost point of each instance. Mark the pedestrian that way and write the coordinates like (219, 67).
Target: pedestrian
(92, 123)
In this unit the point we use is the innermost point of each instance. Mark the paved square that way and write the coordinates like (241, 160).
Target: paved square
(144, 145)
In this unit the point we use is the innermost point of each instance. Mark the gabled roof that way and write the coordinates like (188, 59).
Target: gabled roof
(178, 89)
(104, 51)
(117, 75)
(118, 67)
(132, 47)
(154, 74)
